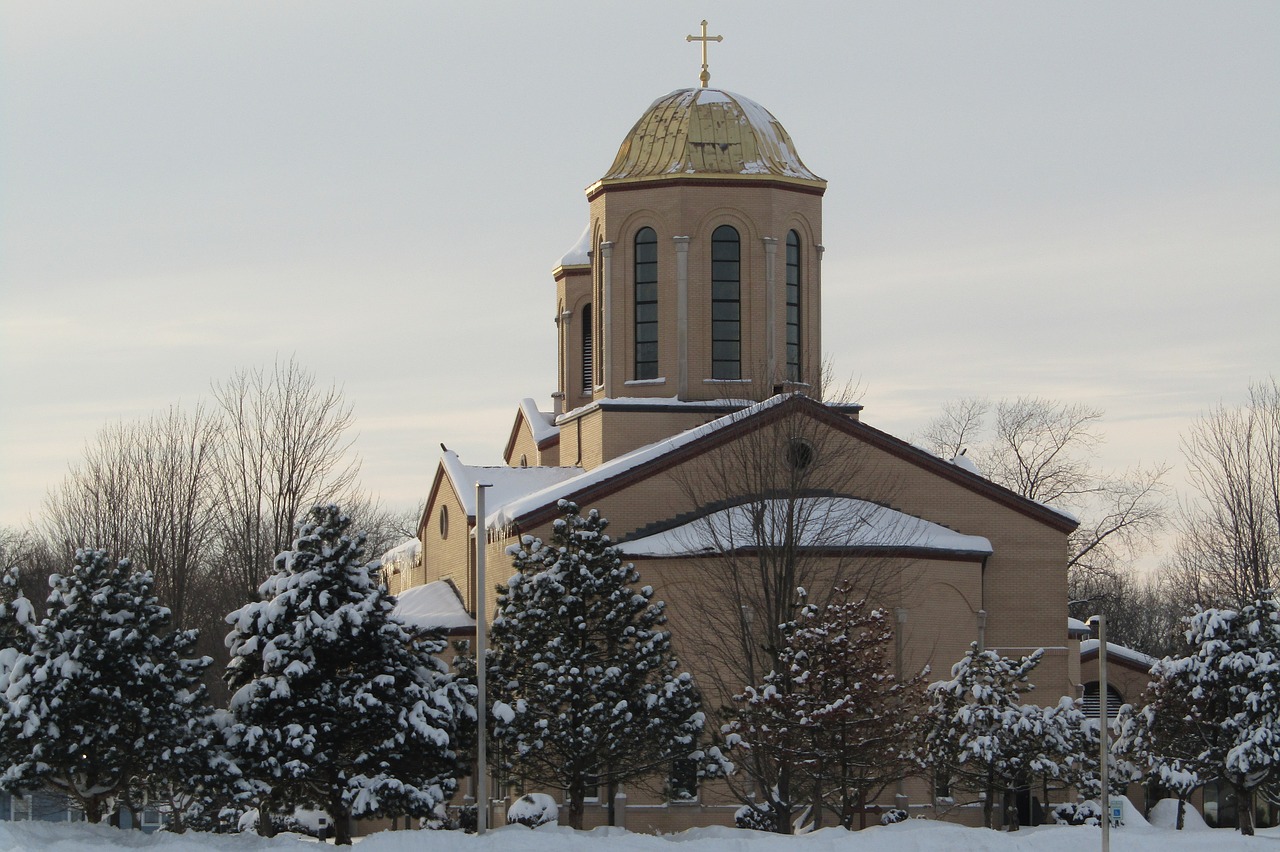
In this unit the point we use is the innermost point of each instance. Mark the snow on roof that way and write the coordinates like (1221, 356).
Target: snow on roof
(1076, 627)
(1090, 646)
(580, 254)
(504, 513)
(541, 423)
(825, 522)
(965, 463)
(650, 402)
(507, 483)
(403, 556)
(432, 606)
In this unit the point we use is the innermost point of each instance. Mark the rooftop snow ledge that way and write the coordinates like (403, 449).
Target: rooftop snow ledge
(580, 254)
(1114, 650)
(541, 424)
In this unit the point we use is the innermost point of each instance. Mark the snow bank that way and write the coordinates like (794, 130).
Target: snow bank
(1165, 815)
(911, 836)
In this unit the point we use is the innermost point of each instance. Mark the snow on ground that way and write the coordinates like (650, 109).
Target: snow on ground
(910, 836)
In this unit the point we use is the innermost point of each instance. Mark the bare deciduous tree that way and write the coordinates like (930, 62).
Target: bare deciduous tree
(1228, 550)
(143, 489)
(1143, 612)
(1046, 451)
(285, 449)
(787, 503)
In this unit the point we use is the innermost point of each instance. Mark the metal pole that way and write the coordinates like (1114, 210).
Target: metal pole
(899, 638)
(482, 612)
(1104, 729)
(982, 630)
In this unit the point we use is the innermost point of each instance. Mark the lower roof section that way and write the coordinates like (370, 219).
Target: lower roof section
(817, 523)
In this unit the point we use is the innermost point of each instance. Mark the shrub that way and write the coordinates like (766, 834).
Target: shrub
(1084, 813)
(533, 810)
(754, 818)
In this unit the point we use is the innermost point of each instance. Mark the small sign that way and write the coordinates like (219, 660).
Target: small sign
(1115, 811)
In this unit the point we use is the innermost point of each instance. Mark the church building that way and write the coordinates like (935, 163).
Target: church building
(691, 410)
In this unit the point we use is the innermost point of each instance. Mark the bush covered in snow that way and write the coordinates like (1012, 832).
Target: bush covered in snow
(755, 819)
(533, 810)
(1082, 813)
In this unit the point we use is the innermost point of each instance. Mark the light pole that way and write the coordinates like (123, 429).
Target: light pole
(1104, 729)
(482, 757)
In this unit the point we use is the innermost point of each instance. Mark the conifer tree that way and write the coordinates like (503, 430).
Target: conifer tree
(587, 690)
(17, 634)
(337, 704)
(982, 737)
(1231, 678)
(105, 696)
(834, 716)
(1160, 738)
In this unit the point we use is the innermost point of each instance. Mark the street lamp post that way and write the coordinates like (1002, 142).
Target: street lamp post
(1104, 730)
(482, 757)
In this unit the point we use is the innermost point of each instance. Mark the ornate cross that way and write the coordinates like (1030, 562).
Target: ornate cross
(705, 76)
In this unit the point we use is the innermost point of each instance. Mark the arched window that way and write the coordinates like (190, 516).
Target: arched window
(1091, 704)
(588, 348)
(726, 305)
(646, 263)
(793, 306)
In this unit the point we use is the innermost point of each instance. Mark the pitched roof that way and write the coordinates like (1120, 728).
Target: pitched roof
(587, 486)
(507, 484)
(542, 427)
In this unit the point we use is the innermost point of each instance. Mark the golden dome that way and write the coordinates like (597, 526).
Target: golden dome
(704, 132)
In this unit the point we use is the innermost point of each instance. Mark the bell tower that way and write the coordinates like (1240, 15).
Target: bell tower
(699, 274)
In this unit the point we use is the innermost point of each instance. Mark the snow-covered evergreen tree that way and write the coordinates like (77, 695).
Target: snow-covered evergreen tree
(17, 635)
(1231, 679)
(586, 690)
(337, 704)
(106, 693)
(834, 719)
(1160, 738)
(982, 737)
(17, 615)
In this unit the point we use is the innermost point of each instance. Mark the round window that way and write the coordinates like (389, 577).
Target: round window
(800, 454)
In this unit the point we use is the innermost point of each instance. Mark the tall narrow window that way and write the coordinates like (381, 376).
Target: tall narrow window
(793, 306)
(598, 327)
(646, 304)
(588, 349)
(726, 304)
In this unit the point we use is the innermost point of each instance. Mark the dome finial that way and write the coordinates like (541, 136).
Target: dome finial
(705, 76)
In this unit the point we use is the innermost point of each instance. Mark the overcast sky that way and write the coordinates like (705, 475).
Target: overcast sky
(1077, 200)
